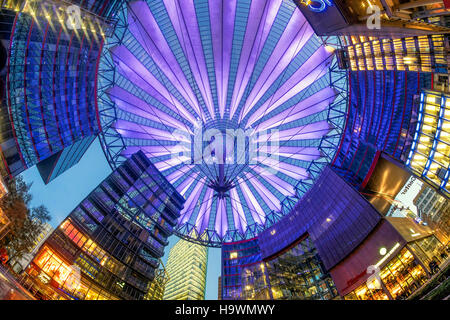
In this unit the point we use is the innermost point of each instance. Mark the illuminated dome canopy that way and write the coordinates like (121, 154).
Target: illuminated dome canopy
(235, 103)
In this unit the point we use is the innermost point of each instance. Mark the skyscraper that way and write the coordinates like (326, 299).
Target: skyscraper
(110, 245)
(186, 267)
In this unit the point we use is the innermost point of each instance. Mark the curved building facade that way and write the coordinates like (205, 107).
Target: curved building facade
(51, 89)
(50, 105)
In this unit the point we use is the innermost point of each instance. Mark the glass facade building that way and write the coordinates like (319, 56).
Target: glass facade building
(51, 93)
(57, 164)
(419, 53)
(158, 285)
(101, 8)
(434, 208)
(109, 246)
(299, 274)
(186, 269)
(429, 156)
(336, 223)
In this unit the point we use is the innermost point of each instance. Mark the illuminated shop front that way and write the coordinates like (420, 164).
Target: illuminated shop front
(390, 264)
(4, 223)
(429, 156)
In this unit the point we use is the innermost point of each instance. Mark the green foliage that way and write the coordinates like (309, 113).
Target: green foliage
(26, 223)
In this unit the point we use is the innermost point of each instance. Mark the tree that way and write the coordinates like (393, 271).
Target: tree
(26, 223)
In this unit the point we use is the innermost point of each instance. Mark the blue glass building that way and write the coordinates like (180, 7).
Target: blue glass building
(235, 257)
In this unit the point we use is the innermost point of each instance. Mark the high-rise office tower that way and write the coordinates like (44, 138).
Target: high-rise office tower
(186, 267)
(111, 243)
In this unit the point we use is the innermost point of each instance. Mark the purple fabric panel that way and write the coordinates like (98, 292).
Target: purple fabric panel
(310, 131)
(270, 199)
(191, 202)
(279, 184)
(174, 10)
(228, 31)
(196, 58)
(299, 153)
(255, 209)
(204, 212)
(187, 182)
(295, 172)
(174, 176)
(216, 16)
(221, 224)
(128, 102)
